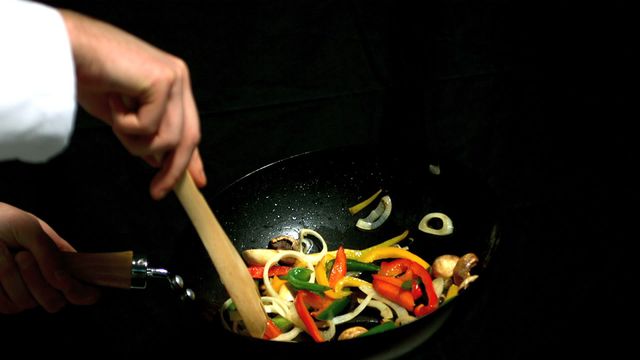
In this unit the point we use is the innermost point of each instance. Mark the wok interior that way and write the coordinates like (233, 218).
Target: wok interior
(314, 190)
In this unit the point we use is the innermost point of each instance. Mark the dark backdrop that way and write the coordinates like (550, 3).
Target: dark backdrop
(531, 98)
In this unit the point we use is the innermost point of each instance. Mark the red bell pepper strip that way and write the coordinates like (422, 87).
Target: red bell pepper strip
(271, 331)
(324, 307)
(316, 301)
(432, 297)
(413, 285)
(309, 324)
(339, 268)
(401, 266)
(388, 279)
(394, 293)
(256, 271)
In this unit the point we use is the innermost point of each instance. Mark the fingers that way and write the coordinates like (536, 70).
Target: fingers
(14, 295)
(196, 169)
(34, 276)
(143, 92)
(45, 295)
(164, 129)
(148, 133)
(42, 271)
(24, 287)
(26, 232)
(175, 163)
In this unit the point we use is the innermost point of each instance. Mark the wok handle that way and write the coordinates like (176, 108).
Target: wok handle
(111, 269)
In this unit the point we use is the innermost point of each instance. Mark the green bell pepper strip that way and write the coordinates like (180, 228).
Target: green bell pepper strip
(299, 278)
(336, 307)
(282, 323)
(385, 326)
(355, 265)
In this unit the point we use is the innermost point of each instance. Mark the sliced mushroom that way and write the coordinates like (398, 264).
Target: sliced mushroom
(463, 268)
(284, 242)
(465, 283)
(259, 257)
(443, 265)
(352, 332)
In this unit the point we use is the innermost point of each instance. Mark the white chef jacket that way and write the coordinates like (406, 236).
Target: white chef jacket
(37, 82)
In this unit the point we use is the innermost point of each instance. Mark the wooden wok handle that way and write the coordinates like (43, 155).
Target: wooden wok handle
(112, 269)
(225, 257)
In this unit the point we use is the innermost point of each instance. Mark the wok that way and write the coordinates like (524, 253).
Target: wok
(313, 190)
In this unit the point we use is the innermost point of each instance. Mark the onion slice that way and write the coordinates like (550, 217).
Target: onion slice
(352, 314)
(377, 216)
(447, 224)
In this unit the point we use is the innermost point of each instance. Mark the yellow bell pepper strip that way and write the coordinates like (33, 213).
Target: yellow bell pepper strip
(256, 271)
(309, 324)
(358, 207)
(271, 330)
(394, 240)
(347, 281)
(321, 271)
(339, 268)
(357, 254)
(299, 278)
(276, 283)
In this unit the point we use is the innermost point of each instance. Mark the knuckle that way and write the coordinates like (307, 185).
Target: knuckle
(180, 66)
(25, 260)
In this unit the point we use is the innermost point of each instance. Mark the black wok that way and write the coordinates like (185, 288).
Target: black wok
(313, 190)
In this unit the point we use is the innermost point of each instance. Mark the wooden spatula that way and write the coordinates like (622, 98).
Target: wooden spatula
(225, 257)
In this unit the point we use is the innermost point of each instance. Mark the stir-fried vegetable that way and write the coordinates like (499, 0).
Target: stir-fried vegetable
(378, 216)
(358, 207)
(299, 279)
(318, 295)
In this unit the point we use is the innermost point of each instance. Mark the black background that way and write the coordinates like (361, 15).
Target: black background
(533, 98)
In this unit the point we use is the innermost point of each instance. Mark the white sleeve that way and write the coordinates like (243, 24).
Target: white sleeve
(37, 82)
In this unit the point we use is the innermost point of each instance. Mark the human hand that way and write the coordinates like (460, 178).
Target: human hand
(33, 276)
(145, 95)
